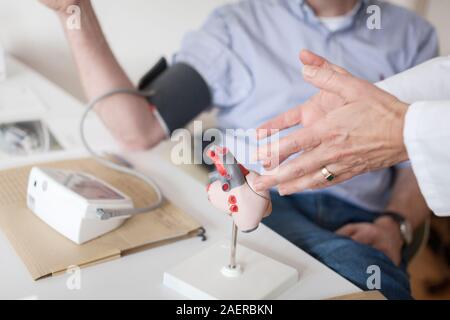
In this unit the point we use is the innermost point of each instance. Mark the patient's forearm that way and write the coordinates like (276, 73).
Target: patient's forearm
(128, 117)
(407, 199)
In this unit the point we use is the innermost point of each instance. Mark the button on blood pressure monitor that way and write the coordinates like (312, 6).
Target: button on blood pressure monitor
(69, 201)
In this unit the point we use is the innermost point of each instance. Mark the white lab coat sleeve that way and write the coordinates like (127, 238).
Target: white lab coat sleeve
(428, 81)
(427, 139)
(427, 127)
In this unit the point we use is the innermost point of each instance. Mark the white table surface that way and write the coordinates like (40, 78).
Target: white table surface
(139, 276)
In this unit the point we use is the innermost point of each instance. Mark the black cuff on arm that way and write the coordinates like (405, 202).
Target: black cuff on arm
(181, 93)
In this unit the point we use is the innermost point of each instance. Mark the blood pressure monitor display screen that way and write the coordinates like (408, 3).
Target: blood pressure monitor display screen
(91, 189)
(85, 186)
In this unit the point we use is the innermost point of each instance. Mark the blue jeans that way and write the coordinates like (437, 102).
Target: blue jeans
(310, 220)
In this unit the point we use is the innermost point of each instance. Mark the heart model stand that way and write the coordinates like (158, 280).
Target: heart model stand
(228, 270)
(232, 269)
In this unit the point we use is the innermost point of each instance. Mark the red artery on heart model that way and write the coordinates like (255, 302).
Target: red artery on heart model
(231, 191)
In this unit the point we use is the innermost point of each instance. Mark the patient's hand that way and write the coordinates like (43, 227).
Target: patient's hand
(384, 235)
(61, 5)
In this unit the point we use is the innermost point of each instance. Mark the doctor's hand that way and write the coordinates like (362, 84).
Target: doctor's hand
(383, 234)
(306, 114)
(354, 128)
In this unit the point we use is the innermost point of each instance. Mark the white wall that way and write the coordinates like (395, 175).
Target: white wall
(139, 31)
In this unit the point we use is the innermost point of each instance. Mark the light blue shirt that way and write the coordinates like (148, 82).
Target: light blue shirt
(248, 54)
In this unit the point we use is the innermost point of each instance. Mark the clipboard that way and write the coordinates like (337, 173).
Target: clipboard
(46, 253)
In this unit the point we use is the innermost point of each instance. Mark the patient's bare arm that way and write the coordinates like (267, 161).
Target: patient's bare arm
(129, 118)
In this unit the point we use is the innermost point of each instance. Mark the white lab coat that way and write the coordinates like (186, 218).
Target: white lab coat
(427, 127)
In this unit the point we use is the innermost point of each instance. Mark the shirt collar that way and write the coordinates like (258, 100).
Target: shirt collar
(305, 12)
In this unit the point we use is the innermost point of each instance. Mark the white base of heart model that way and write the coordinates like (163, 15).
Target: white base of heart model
(207, 276)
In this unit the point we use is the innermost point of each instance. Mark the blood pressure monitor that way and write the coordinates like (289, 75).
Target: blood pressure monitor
(70, 202)
(82, 207)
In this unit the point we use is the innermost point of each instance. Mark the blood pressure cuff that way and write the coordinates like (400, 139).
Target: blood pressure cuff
(181, 93)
